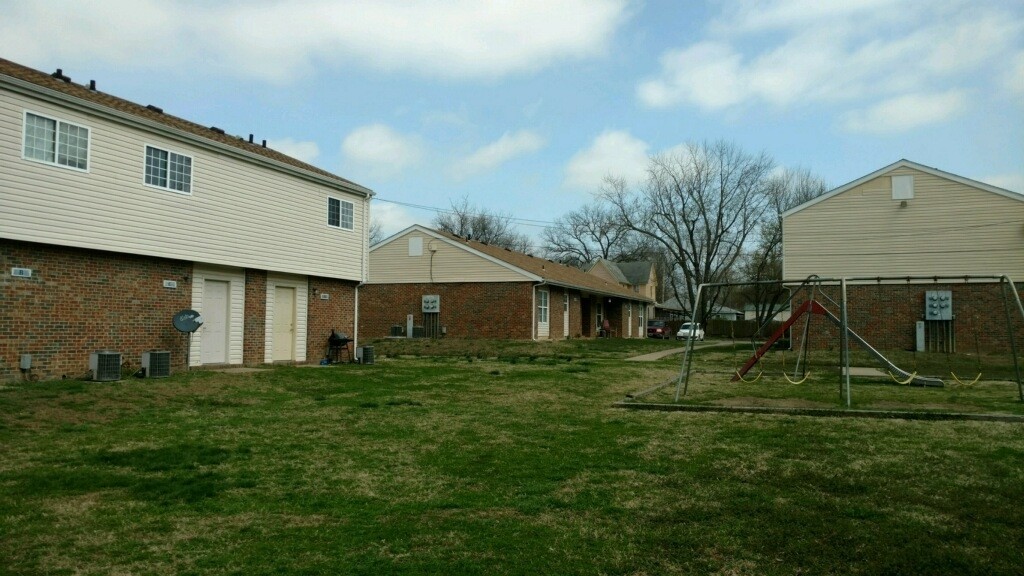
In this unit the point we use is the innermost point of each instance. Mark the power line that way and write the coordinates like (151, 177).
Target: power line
(522, 221)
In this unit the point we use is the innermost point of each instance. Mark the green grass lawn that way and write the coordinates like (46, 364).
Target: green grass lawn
(486, 458)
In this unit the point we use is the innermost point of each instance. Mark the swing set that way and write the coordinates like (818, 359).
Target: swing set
(815, 305)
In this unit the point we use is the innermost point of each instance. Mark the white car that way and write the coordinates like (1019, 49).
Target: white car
(690, 330)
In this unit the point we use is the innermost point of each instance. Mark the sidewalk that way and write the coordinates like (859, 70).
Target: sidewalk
(665, 353)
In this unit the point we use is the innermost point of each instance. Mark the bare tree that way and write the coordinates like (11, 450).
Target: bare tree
(587, 234)
(702, 205)
(478, 224)
(786, 190)
(376, 231)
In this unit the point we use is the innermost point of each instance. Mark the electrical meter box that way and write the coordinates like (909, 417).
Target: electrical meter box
(431, 303)
(938, 305)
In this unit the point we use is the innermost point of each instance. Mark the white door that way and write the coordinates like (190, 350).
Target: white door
(214, 339)
(543, 324)
(565, 315)
(284, 323)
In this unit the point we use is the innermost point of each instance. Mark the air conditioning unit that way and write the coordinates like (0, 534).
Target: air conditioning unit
(156, 363)
(105, 366)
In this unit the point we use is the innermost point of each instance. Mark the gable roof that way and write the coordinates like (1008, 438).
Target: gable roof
(904, 164)
(611, 268)
(636, 273)
(537, 269)
(58, 87)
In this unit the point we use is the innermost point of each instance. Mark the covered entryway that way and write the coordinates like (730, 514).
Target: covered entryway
(215, 312)
(284, 324)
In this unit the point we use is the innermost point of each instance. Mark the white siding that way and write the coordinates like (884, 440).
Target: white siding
(391, 263)
(236, 310)
(947, 228)
(238, 214)
(300, 284)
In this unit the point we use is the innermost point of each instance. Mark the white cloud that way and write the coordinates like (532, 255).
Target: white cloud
(1014, 182)
(381, 149)
(905, 113)
(613, 153)
(871, 54)
(305, 151)
(392, 217)
(498, 152)
(277, 40)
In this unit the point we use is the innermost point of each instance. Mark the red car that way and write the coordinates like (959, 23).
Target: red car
(657, 329)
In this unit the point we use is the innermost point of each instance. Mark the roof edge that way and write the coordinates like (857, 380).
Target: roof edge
(904, 163)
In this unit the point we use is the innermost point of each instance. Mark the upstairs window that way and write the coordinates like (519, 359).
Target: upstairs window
(53, 141)
(168, 170)
(339, 214)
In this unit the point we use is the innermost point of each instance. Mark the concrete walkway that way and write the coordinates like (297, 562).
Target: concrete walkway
(665, 353)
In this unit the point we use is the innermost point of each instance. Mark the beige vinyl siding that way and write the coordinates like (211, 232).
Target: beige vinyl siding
(601, 271)
(300, 284)
(238, 214)
(391, 263)
(236, 309)
(948, 228)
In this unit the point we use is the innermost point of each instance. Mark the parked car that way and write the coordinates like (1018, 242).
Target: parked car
(690, 330)
(657, 329)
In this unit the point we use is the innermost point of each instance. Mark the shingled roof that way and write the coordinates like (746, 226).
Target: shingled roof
(550, 271)
(69, 91)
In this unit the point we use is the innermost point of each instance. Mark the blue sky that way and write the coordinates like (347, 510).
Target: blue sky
(523, 107)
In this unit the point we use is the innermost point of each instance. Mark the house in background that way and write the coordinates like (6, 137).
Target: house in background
(114, 216)
(910, 220)
(640, 277)
(439, 284)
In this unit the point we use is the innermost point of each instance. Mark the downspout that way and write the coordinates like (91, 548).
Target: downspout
(362, 272)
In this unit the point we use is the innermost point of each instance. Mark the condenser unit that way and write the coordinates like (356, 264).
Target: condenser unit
(156, 363)
(105, 366)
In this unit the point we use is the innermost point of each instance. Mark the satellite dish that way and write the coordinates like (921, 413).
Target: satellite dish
(187, 321)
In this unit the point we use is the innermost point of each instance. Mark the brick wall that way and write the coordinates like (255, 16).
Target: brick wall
(468, 309)
(337, 313)
(885, 315)
(254, 332)
(81, 301)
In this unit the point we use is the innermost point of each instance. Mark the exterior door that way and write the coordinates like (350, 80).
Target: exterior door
(214, 339)
(284, 323)
(565, 315)
(629, 330)
(543, 324)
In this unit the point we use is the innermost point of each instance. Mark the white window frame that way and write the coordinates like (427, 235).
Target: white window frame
(542, 306)
(341, 214)
(191, 173)
(56, 142)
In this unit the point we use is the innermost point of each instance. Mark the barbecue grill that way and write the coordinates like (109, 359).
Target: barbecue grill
(337, 347)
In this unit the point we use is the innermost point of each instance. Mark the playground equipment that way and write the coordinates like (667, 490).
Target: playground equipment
(813, 307)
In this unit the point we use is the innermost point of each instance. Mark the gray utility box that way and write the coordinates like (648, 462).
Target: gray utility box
(938, 305)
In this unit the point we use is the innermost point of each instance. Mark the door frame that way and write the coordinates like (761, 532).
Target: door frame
(235, 277)
(301, 285)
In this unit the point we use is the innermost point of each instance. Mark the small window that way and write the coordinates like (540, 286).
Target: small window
(339, 213)
(167, 170)
(903, 187)
(56, 142)
(542, 306)
(565, 302)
